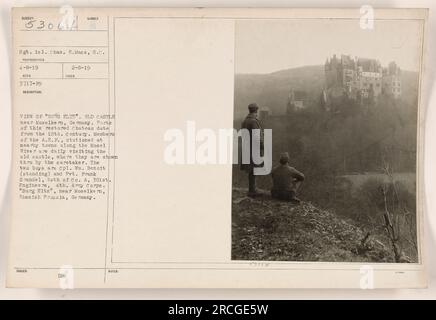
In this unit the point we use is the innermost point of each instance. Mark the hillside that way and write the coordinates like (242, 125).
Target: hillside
(272, 90)
(270, 230)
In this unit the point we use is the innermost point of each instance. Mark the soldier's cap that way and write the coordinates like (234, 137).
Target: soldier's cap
(284, 157)
(253, 107)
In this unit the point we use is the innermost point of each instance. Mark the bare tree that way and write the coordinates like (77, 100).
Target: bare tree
(395, 216)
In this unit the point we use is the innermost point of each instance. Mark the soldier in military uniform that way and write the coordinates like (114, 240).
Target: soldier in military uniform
(286, 180)
(251, 123)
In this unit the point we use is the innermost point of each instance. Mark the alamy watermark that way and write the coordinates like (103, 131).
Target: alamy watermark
(66, 277)
(366, 277)
(366, 21)
(223, 146)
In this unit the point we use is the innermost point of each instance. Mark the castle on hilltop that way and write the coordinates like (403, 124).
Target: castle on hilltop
(360, 78)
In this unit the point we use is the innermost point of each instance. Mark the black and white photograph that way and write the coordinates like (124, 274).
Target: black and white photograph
(239, 150)
(340, 100)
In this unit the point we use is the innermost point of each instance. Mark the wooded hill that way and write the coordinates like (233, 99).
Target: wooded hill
(272, 90)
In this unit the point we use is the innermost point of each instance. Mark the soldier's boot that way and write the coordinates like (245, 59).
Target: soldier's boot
(295, 200)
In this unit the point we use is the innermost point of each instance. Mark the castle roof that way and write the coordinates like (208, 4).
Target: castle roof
(348, 62)
(368, 65)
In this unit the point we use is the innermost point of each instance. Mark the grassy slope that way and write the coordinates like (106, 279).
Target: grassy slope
(269, 230)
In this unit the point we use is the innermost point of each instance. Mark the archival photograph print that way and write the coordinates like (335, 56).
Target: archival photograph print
(341, 103)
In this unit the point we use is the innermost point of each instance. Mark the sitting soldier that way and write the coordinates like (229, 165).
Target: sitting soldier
(286, 180)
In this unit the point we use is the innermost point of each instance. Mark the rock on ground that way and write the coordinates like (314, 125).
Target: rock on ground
(270, 230)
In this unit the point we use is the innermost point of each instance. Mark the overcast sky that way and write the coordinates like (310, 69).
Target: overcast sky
(264, 46)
